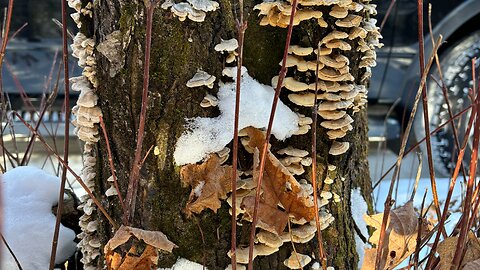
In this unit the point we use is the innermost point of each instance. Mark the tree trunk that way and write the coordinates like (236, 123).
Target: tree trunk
(178, 50)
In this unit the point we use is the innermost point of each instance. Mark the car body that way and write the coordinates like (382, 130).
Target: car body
(397, 74)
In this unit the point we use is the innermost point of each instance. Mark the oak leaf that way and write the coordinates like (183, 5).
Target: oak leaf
(269, 218)
(133, 260)
(279, 185)
(400, 237)
(210, 182)
(475, 265)
(446, 249)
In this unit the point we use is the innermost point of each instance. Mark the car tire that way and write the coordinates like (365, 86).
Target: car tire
(456, 64)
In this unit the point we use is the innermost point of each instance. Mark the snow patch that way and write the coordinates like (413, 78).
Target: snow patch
(29, 195)
(209, 135)
(359, 208)
(184, 264)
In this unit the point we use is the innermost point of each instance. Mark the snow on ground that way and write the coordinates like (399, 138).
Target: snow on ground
(359, 208)
(209, 135)
(29, 194)
(184, 264)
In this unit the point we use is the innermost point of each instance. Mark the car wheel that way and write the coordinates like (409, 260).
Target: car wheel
(456, 64)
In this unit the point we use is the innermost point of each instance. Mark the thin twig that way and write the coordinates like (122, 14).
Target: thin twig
(321, 251)
(453, 181)
(204, 261)
(444, 88)
(5, 32)
(110, 162)
(387, 15)
(241, 28)
(419, 232)
(75, 175)
(462, 238)
(11, 252)
(426, 120)
(415, 146)
(417, 177)
(388, 200)
(293, 244)
(66, 138)
(135, 172)
(283, 72)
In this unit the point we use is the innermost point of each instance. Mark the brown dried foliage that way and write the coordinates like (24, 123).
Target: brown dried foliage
(210, 182)
(278, 185)
(400, 237)
(447, 248)
(145, 257)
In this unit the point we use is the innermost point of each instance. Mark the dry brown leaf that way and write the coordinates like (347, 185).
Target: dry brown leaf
(147, 260)
(446, 249)
(154, 241)
(279, 185)
(475, 265)
(369, 259)
(400, 236)
(210, 182)
(269, 218)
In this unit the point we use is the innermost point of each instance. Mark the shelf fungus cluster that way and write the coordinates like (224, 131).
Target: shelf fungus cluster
(87, 115)
(347, 29)
(341, 94)
(194, 10)
(280, 191)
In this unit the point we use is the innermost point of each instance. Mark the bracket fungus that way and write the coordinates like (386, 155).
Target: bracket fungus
(297, 261)
(201, 78)
(195, 10)
(228, 45)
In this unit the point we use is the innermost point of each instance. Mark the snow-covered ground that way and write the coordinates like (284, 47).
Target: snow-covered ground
(29, 195)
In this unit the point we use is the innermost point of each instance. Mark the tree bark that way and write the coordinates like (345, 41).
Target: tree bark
(178, 50)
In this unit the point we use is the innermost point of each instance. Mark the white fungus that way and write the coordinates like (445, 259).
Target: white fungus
(209, 135)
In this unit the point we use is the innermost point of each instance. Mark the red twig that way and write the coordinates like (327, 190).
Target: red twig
(110, 162)
(453, 181)
(135, 173)
(321, 251)
(66, 133)
(388, 200)
(11, 252)
(75, 175)
(462, 238)
(283, 72)
(241, 27)
(387, 15)
(415, 146)
(419, 234)
(426, 120)
(6, 30)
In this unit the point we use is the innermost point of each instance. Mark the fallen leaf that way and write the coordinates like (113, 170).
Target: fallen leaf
(278, 184)
(400, 236)
(446, 249)
(154, 241)
(147, 260)
(475, 265)
(210, 182)
(369, 259)
(269, 218)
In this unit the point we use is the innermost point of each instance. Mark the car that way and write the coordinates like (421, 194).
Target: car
(33, 63)
(397, 75)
